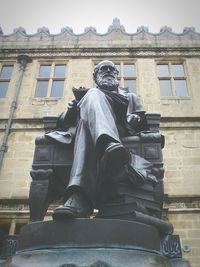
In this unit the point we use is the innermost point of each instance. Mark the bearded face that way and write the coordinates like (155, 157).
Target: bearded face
(106, 78)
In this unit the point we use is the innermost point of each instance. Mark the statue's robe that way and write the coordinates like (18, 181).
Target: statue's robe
(99, 114)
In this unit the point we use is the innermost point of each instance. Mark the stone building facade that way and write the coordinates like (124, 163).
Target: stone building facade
(163, 69)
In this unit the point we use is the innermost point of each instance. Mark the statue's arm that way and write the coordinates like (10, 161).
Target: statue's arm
(68, 118)
(134, 108)
(135, 104)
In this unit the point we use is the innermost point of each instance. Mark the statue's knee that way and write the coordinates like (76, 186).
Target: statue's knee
(93, 97)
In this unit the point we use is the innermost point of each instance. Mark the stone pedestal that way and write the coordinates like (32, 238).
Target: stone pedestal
(90, 242)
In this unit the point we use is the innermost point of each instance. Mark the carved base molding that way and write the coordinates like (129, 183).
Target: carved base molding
(184, 203)
(171, 203)
(102, 244)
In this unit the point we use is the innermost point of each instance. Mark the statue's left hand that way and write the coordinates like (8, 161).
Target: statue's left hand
(133, 120)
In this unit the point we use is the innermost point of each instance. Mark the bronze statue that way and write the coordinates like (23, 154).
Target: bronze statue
(102, 116)
(103, 152)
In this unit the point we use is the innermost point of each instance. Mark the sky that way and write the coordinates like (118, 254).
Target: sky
(79, 14)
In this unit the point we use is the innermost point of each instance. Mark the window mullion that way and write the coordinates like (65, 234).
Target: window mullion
(172, 79)
(121, 69)
(135, 66)
(50, 87)
(51, 78)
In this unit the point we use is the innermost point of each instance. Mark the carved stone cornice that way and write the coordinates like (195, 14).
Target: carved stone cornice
(180, 122)
(102, 52)
(171, 204)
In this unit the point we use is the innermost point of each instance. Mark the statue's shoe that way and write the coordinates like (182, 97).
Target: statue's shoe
(114, 157)
(76, 206)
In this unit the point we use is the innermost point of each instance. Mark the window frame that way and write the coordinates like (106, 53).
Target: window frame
(51, 78)
(122, 78)
(172, 78)
(8, 80)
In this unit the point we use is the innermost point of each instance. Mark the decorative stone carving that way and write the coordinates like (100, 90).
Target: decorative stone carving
(66, 29)
(9, 246)
(43, 30)
(165, 29)
(171, 247)
(142, 29)
(116, 25)
(188, 29)
(1, 31)
(153, 52)
(92, 29)
(20, 30)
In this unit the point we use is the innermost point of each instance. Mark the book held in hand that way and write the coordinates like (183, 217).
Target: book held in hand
(79, 92)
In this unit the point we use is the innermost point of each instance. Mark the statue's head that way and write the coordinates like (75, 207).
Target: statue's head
(105, 75)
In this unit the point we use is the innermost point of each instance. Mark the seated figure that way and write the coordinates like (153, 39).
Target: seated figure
(103, 152)
(102, 116)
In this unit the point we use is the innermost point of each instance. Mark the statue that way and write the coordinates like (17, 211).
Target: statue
(103, 152)
(102, 116)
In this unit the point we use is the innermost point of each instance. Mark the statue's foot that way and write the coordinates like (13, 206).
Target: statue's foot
(76, 206)
(114, 157)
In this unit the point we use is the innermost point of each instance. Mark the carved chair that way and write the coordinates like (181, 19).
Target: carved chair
(52, 164)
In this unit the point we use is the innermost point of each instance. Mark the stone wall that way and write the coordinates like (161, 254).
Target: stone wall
(15, 178)
(187, 225)
(182, 161)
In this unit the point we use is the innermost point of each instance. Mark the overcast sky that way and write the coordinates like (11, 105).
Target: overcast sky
(78, 14)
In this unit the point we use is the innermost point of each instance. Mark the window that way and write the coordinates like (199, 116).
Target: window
(50, 81)
(127, 76)
(5, 76)
(172, 80)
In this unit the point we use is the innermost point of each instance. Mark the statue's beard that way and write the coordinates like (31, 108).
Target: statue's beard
(107, 83)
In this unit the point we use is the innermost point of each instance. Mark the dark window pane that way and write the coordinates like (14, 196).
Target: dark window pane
(45, 71)
(3, 89)
(59, 71)
(6, 72)
(165, 88)
(130, 85)
(41, 90)
(129, 70)
(57, 88)
(162, 70)
(177, 70)
(181, 88)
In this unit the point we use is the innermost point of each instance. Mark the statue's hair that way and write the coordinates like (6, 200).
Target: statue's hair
(103, 62)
